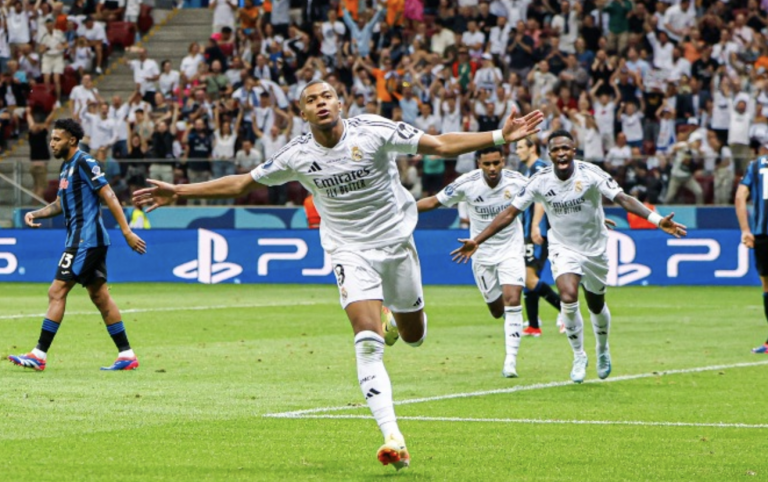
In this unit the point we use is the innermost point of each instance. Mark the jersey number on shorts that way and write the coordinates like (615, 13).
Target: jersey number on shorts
(529, 250)
(66, 260)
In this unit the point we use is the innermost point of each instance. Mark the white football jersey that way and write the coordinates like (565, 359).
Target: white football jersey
(574, 207)
(356, 184)
(485, 203)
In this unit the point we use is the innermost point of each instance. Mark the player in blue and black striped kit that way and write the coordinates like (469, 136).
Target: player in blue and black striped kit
(82, 187)
(754, 234)
(535, 249)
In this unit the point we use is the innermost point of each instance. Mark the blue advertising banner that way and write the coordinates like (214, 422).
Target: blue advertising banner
(705, 257)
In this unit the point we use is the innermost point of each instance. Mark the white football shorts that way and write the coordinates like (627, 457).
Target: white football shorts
(491, 277)
(391, 274)
(592, 269)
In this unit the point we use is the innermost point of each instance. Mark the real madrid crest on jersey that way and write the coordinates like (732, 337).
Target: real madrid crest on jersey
(507, 194)
(357, 154)
(578, 186)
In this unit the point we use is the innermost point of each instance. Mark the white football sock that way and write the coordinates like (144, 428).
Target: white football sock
(601, 324)
(424, 336)
(126, 354)
(574, 325)
(39, 353)
(513, 329)
(374, 381)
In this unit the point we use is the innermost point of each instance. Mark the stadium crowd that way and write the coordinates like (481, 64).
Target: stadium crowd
(669, 97)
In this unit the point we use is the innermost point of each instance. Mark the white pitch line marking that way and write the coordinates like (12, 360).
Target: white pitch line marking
(519, 388)
(547, 422)
(178, 308)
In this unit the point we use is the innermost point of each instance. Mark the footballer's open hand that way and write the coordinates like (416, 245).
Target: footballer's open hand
(670, 227)
(465, 252)
(162, 194)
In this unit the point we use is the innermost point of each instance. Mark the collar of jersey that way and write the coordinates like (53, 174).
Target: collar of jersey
(343, 137)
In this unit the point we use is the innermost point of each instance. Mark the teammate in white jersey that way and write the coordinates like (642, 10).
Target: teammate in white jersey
(368, 219)
(499, 266)
(571, 193)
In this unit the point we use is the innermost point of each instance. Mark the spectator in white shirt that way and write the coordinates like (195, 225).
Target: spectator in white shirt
(619, 155)
(17, 25)
(678, 19)
(223, 14)
(97, 38)
(725, 51)
(474, 39)
(118, 112)
(52, 45)
(169, 79)
(662, 49)
(567, 25)
(738, 131)
(631, 123)
(247, 158)
(82, 94)
(742, 33)
(332, 31)
(680, 65)
(498, 37)
(104, 130)
(145, 74)
(443, 39)
(189, 63)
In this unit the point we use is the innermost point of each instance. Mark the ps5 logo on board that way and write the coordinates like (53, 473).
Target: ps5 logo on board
(210, 266)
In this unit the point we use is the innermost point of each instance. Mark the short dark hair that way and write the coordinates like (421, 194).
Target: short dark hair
(488, 150)
(70, 126)
(315, 82)
(530, 143)
(560, 133)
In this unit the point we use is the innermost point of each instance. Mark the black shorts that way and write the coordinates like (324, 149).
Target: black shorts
(536, 255)
(84, 266)
(761, 255)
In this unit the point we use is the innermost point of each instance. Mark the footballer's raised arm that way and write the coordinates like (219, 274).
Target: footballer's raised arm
(453, 144)
(163, 193)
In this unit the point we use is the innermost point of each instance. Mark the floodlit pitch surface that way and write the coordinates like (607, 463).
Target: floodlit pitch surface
(259, 383)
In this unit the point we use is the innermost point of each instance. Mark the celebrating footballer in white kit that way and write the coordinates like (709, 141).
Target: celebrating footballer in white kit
(571, 193)
(367, 224)
(499, 264)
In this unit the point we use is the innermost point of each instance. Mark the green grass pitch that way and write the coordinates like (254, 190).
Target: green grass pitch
(215, 360)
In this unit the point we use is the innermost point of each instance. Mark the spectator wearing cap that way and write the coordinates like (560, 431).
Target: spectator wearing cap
(488, 76)
(97, 38)
(52, 45)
